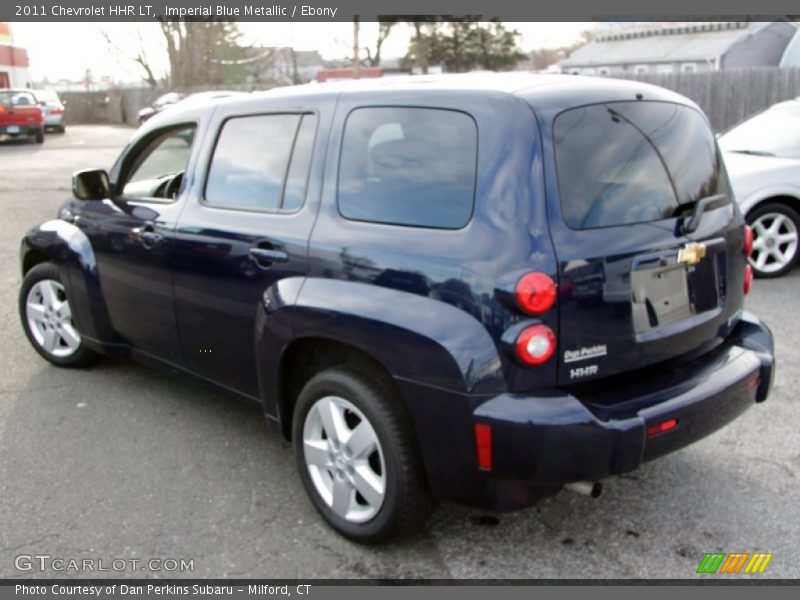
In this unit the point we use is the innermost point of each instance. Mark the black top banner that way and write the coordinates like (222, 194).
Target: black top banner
(371, 10)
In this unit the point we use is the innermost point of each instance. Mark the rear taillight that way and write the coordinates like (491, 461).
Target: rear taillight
(483, 442)
(748, 278)
(535, 293)
(748, 241)
(57, 111)
(535, 344)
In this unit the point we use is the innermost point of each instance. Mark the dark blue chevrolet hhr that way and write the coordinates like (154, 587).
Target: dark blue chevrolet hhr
(485, 288)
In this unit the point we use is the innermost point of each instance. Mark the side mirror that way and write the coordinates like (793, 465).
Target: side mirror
(91, 184)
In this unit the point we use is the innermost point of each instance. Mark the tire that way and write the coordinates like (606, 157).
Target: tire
(391, 461)
(39, 137)
(47, 319)
(776, 239)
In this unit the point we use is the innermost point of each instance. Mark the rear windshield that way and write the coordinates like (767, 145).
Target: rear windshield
(47, 96)
(621, 163)
(17, 99)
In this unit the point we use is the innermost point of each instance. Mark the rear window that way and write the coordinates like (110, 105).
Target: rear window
(408, 166)
(632, 162)
(17, 99)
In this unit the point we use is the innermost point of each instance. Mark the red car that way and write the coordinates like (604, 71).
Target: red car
(20, 114)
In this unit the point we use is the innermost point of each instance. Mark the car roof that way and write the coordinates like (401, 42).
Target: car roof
(538, 89)
(548, 93)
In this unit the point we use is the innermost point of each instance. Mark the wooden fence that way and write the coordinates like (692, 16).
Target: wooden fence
(727, 97)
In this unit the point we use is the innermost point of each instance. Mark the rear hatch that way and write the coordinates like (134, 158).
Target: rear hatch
(648, 241)
(18, 109)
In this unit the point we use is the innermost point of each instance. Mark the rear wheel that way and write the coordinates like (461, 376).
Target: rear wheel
(47, 318)
(40, 136)
(357, 456)
(776, 233)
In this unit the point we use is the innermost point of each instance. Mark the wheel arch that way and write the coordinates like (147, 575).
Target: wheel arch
(32, 257)
(789, 199)
(69, 248)
(407, 337)
(305, 357)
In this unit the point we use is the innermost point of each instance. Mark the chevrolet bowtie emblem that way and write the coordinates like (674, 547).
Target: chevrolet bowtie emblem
(692, 253)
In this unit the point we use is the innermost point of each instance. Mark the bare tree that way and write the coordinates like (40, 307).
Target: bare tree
(384, 29)
(140, 57)
(196, 50)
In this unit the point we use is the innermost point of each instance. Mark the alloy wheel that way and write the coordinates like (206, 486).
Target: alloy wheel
(344, 459)
(50, 319)
(775, 239)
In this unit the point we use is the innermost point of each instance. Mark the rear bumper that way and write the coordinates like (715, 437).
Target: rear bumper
(20, 130)
(54, 120)
(540, 443)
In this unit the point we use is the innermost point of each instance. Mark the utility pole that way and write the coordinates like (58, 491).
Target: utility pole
(356, 60)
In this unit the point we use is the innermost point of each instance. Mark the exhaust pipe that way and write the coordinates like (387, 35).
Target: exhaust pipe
(593, 489)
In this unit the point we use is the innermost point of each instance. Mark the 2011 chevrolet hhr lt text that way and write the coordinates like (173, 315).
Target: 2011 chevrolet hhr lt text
(477, 287)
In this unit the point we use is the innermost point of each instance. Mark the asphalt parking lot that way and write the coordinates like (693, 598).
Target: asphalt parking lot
(120, 462)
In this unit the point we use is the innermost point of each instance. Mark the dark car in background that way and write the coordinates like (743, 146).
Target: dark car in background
(53, 109)
(21, 115)
(159, 104)
(172, 99)
(482, 288)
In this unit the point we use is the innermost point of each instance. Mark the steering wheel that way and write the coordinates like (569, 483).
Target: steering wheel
(173, 187)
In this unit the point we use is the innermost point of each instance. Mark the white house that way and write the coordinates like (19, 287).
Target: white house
(686, 47)
(13, 61)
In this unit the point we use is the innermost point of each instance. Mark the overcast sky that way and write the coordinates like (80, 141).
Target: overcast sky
(66, 50)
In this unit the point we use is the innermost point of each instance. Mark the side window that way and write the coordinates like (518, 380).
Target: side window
(157, 170)
(408, 166)
(262, 163)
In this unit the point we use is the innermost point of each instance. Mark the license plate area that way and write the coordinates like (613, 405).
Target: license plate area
(664, 291)
(12, 129)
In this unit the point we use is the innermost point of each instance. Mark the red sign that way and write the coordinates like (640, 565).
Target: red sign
(333, 74)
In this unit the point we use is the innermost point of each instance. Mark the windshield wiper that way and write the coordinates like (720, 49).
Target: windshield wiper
(692, 222)
(753, 152)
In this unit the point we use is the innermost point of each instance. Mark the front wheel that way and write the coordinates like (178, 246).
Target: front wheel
(357, 456)
(775, 239)
(47, 318)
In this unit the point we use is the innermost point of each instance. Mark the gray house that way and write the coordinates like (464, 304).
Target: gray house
(687, 47)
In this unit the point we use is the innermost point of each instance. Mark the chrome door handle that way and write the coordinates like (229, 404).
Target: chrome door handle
(268, 255)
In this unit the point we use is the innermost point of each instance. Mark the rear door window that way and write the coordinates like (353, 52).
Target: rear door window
(408, 166)
(17, 99)
(621, 163)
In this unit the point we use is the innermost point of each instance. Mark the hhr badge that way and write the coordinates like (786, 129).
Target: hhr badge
(583, 371)
(692, 253)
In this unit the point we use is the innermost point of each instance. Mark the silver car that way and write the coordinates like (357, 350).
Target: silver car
(762, 155)
(53, 109)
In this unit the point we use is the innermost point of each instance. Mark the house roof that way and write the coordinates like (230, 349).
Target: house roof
(697, 42)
